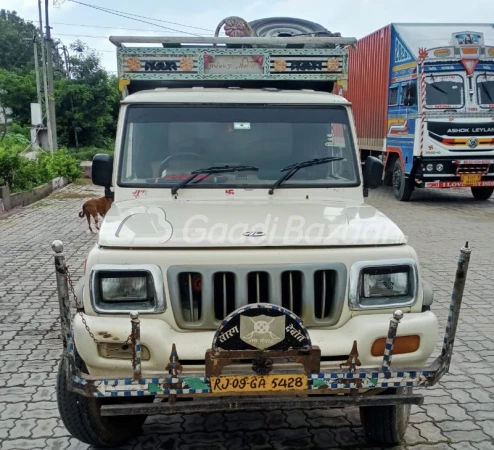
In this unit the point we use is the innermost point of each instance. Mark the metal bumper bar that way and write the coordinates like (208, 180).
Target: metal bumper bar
(351, 381)
(260, 404)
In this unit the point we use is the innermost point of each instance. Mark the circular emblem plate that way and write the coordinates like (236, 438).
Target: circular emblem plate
(261, 326)
(473, 142)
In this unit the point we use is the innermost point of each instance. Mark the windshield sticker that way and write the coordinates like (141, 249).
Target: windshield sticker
(144, 224)
(241, 126)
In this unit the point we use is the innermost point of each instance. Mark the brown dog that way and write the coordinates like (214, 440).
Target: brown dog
(94, 207)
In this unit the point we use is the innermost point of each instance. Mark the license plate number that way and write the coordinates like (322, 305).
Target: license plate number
(471, 179)
(255, 383)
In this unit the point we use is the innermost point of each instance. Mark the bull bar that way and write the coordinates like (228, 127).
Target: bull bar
(360, 387)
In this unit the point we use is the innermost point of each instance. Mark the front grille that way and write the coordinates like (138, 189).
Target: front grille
(224, 294)
(257, 287)
(201, 297)
(291, 291)
(324, 284)
(472, 168)
(190, 295)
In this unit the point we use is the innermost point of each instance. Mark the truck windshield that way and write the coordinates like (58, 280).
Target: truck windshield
(164, 144)
(444, 92)
(485, 91)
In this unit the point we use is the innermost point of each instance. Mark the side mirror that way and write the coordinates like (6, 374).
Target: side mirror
(373, 174)
(102, 170)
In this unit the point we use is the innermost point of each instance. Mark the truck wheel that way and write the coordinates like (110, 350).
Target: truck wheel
(402, 186)
(289, 26)
(482, 193)
(82, 415)
(386, 425)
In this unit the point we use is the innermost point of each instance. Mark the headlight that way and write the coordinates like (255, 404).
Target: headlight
(429, 167)
(125, 288)
(122, 287)
(439, 167)
(383, 284)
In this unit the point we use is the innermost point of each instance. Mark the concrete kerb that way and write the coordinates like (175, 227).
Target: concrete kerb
(10, 201)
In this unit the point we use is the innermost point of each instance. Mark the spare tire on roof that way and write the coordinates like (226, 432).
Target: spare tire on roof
(289, 26)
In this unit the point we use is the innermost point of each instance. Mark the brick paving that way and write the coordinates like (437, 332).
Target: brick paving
(457, 414)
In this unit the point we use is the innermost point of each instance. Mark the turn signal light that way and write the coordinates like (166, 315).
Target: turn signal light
(403, 344)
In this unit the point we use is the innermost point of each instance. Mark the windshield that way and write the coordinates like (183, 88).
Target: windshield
(444, 92)
(164, 144)
(485, 91)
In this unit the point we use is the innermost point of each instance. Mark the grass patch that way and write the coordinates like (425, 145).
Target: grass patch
(83, 182)
(40, 204)
(72, 195)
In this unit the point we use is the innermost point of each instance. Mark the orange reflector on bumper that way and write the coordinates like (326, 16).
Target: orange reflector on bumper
(403, 344)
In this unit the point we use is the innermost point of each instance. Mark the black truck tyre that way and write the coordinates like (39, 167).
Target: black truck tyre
(386, 425)
(82, 415)
(289, 26)
(269, 27)
(402, 186)
(482, 192)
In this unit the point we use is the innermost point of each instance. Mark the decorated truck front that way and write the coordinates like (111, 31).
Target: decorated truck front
(239, 267)
(457, 132)
(422, 97)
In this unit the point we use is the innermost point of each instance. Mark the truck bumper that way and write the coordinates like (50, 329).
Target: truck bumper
(456, 172)
(158, 337)
(220, 384)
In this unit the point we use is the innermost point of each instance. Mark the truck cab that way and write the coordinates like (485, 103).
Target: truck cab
(240, 247)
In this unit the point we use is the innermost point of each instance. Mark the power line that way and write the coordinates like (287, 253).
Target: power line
(113, 12)
(99, 26)
(22, 54)
(142, 17)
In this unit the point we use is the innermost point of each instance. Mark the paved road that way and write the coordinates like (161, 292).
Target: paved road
(458, 414)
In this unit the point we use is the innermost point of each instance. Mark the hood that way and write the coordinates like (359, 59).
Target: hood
(165, 224)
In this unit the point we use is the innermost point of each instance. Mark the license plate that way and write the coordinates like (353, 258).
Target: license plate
(257, 383)
(471, 179)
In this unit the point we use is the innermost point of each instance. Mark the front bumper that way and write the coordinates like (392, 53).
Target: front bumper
(452, 170)
(158, 337)
(355, 382)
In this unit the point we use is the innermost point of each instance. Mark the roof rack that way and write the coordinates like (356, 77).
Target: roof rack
(241, 59)
(249, 40)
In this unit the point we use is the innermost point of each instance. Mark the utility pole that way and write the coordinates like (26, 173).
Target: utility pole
(36, 68)
(67, 70)
(49, 75)
(45, 80)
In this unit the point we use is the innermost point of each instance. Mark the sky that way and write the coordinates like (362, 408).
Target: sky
(352, 18)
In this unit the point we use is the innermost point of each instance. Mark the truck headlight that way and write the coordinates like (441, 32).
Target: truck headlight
(383, 284)
(124, 288)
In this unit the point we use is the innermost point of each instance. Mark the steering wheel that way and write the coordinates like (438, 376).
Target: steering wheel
(188, 155)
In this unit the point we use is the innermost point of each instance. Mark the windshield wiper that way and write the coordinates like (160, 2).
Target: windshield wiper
(486, 91)
(291, 170)
(211, 170)
(437, 88)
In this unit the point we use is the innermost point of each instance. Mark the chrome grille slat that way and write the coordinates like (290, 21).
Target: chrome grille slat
(191, 299)
(258, 288)
(290, 275)
(314, 292)
(225, 308)
(323, 297)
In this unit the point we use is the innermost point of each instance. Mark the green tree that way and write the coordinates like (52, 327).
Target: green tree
(87, 101)
(16, 41)
(17, 91)
(86, 95)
